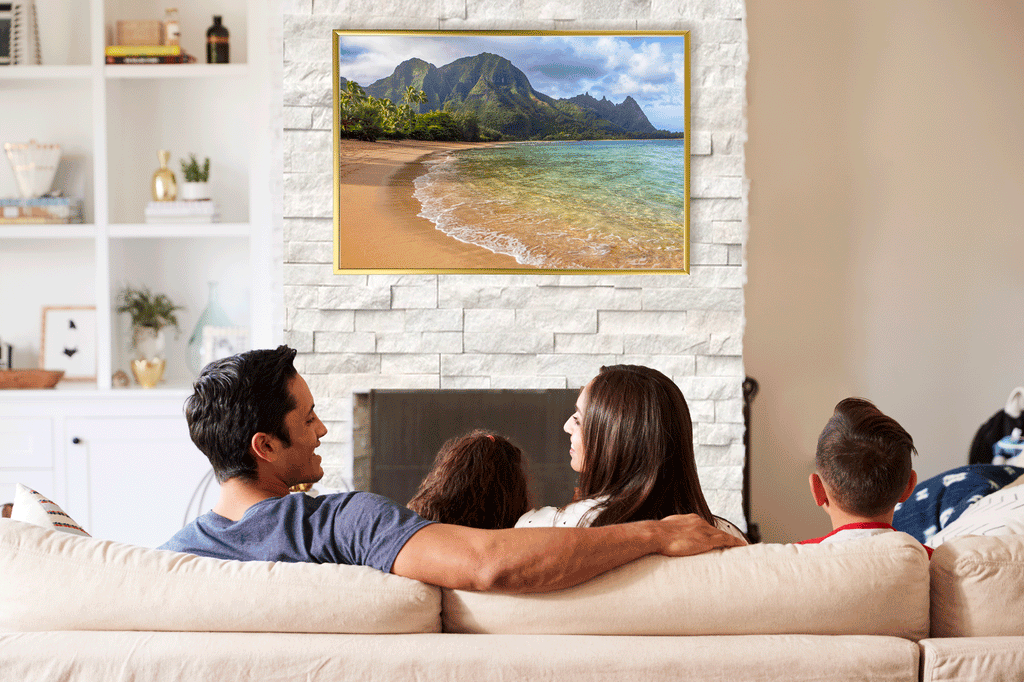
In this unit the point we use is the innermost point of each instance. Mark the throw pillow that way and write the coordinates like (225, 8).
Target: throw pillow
(32, 507)
(999, 513)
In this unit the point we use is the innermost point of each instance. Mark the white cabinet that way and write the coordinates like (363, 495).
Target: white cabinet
(132, 479)
(123, 467)
(110, 121)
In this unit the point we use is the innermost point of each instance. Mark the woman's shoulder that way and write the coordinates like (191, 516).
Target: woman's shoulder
(548, 517)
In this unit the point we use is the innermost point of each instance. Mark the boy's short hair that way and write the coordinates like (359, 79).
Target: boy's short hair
(864, 456)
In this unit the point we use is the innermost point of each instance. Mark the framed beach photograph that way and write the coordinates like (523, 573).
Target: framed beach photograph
(69, 341)
(511, 151)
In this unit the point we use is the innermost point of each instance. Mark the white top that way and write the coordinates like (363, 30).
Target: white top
(586, 510)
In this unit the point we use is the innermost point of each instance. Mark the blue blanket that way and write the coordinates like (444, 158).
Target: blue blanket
(940, 500)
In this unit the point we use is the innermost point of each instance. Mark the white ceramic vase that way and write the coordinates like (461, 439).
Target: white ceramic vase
(149, 343)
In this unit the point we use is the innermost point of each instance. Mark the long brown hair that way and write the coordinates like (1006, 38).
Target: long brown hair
(477, 480)
(638, 448)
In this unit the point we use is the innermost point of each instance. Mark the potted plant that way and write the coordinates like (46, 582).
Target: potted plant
(151, 314)
(197, 176)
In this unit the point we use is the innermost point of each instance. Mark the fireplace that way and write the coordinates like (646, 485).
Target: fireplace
(397, 433)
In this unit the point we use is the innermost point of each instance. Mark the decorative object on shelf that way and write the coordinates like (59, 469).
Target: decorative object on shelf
(217, 42)
(44, 210)
(69, 341)
(144, 32)
(165, 187)
(29, 378)
(196, 186)
(222, 342)
(35, 166)
(5, 33)
(182, 212)
(172, 29)
(213, 315)
(119, 379)
(150, 314)
(23, 45)
(6, 355)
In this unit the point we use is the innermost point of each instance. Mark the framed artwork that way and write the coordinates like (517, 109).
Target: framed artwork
(511, 151)
(222, 342)
(69, 341)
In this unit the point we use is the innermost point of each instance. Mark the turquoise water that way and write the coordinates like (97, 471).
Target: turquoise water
(594, 205)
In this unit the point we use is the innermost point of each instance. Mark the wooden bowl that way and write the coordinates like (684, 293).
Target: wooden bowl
(30, 378)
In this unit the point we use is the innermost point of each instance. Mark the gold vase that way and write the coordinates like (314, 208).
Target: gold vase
(148, 372)
(165, 187)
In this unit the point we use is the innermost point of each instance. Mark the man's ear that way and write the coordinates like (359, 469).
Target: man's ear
(911, 484)
(818, 491)
(262, 447)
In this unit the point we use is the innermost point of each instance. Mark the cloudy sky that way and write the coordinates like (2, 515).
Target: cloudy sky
(651, 69)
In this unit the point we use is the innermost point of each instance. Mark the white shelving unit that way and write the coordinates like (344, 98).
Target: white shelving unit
(110, 121)
(90, 445)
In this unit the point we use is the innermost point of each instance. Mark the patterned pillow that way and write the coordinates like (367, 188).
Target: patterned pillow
(32, 507)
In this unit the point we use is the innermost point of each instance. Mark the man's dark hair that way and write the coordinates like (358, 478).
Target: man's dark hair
(865, 458)
(235, 398)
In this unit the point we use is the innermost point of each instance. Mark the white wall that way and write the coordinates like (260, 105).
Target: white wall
(357, 332)
(886, 254)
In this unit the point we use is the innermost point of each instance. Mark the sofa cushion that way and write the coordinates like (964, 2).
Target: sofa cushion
(51, 580)
(32, 507)
(283, 657)
(972, 659)
(873, 586)
(977, 587)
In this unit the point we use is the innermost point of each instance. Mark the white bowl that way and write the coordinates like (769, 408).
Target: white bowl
(35, 166)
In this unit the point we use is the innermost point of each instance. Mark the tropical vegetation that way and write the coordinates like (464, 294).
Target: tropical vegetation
(480, 98)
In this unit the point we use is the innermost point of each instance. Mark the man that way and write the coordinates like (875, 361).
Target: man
(253, 416)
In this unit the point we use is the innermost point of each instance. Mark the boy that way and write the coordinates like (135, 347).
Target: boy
(864, 469)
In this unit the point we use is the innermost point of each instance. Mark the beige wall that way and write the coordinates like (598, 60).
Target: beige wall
(886, 248)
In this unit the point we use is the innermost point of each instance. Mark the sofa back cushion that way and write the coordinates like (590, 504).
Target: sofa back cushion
(874, 586)
(977, 587)
(51, 580)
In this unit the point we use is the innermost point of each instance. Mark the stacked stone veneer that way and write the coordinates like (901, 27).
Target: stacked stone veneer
(359, 332)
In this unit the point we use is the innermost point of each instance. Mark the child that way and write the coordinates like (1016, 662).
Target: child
(477, 480)
(864, 469)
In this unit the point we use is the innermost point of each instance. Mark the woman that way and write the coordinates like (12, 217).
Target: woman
(631, 440)
(477, 480)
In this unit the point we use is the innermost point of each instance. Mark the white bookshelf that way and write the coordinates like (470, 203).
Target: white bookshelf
(110, 121)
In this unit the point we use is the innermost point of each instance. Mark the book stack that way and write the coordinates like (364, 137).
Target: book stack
(43, 210)
(182, 212)
(147, 54)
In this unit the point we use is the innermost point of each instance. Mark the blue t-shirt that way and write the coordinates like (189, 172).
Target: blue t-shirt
(357, 528)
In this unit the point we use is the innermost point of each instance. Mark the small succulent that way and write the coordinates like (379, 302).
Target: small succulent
(193, 171)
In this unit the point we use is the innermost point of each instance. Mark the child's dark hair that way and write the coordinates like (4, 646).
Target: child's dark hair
(477, 480)
(864, 457)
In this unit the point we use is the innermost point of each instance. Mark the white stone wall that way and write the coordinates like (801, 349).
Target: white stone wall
(358, 332)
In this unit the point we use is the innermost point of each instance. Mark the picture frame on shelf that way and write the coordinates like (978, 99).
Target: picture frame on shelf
(511, 151)
(68, 341)
(222, 342)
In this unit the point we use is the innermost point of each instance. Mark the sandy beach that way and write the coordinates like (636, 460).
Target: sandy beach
(379, 225)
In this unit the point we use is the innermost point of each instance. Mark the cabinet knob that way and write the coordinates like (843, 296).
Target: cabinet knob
(76, 440)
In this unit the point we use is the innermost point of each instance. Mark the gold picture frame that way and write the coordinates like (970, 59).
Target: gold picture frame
(511, 151)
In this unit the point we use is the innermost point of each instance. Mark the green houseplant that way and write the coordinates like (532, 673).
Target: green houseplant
(150, 314)
(197, 176)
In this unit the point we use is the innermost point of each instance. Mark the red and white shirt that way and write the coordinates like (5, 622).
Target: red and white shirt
(855, 531)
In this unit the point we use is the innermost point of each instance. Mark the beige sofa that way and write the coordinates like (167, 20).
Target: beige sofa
(78, 608)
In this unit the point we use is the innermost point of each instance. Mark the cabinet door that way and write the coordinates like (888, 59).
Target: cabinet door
(26, 456)
(132, 479)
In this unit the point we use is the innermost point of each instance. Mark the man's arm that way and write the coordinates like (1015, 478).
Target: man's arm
(543, 559)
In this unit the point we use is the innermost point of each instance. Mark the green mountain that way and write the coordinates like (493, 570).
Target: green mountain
(503, 101)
